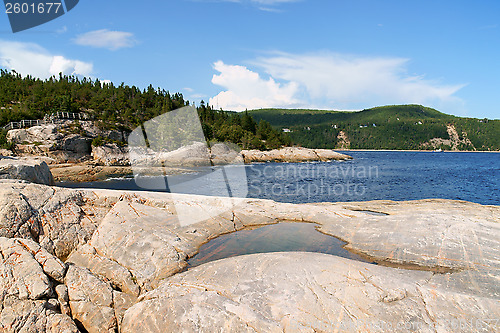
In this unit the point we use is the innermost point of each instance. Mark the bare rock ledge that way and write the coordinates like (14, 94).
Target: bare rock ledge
(293, 155)
(103, 261)
(29, 169)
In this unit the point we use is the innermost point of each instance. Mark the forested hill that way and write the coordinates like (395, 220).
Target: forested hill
(126, 107)
(121, 107)
(387, 127)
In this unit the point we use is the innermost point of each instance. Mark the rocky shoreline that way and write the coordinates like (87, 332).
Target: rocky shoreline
(68, 148)
(79, 260)
(108, 261)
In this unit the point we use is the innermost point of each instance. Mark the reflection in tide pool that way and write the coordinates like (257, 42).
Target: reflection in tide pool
(281, 237)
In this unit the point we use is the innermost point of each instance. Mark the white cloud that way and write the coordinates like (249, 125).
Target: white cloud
(111, 40)
(246, 89)
(334, 81)
(32, 59)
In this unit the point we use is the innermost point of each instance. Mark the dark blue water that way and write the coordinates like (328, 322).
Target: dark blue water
(391, 175)
(377, 175)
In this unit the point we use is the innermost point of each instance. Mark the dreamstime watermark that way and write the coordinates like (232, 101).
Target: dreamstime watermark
(27, 14)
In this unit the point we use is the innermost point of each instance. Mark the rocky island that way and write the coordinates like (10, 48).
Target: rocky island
(108, 261)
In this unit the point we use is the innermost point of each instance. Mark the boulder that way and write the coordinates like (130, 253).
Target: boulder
(28, 169)
(111, 154)
(91, 300)
(36, 134)
(225, 154)
(330, 155)
(75, 144)
(196, 154)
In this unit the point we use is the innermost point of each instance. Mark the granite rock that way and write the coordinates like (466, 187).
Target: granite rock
(91, 300)
(26, 298)
(303, 292)
(111, 154)
(441, 261)
(29, 169)
(292, 155)
(58, 219)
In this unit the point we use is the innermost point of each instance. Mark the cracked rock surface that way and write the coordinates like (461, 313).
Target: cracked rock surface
(109, 261)
(28, 302)
(307, 292)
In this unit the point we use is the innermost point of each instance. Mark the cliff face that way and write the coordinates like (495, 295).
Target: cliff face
(109, 259)
(454, 143)
(67, 141)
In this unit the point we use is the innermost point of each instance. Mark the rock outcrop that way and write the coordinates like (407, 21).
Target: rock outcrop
(124, 254)
(28, 302)
(6, 152)
(197, 154)
(292, 155)
(70, 142)
(59, 219)
(66, 141)
(296, 292)
(111, 154)
(28, 169)
(343, 141)
(454, 143)
(50, 141)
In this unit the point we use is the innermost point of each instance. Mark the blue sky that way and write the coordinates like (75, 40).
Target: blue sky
(341, 55)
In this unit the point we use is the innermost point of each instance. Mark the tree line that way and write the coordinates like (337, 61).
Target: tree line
(122, 107)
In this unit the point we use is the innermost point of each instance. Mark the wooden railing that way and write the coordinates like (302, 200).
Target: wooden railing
(23, 124)
(48, 119)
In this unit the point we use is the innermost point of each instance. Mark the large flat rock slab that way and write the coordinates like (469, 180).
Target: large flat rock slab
(443, 263)
(293, 155)
(304, 292)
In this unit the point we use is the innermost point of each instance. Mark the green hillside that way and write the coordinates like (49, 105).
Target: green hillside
(386, 127)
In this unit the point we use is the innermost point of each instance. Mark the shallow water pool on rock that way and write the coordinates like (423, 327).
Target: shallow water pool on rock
(280, 237)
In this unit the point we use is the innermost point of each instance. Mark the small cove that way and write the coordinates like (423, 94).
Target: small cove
(280, 237)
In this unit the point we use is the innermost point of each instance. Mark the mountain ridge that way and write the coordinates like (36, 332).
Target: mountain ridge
(398, 127)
